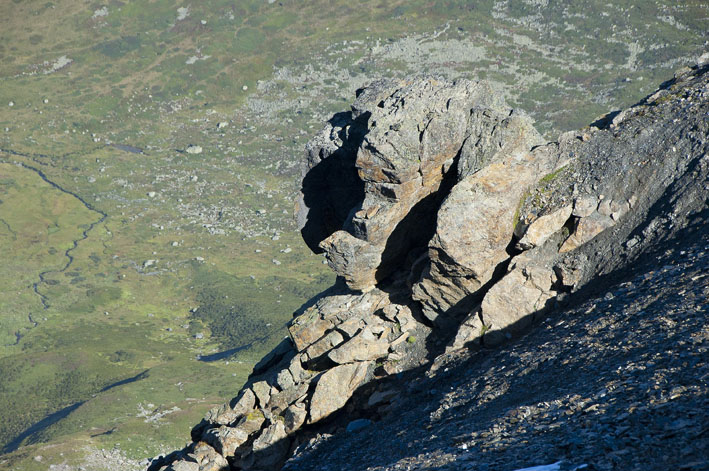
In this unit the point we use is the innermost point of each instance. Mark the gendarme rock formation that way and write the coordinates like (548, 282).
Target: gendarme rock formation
(452, 224)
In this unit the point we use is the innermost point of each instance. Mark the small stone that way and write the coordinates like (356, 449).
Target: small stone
(470, 330)
(587, 228)
(584, 206)
(324, 345)
(272, 446)
(541, 229)
(307, 328)
(263, 392)
(185, 466)
(192, 149)
(244, 88)
(208, 458)
(364, 346)
(295, 417)
(351, 326)
(296, 369)
(632, 242)
(226, 439)
(357, 425)
(151, 194)
(285, 379)
(222, 124)
(280, 400)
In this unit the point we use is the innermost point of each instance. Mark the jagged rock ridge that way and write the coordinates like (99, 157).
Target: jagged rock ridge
(450, 223)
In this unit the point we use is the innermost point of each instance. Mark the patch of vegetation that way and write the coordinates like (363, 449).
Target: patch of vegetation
(550, 177)
(239, 312)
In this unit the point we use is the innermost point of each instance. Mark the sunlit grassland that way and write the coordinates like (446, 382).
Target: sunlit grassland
(38, 224)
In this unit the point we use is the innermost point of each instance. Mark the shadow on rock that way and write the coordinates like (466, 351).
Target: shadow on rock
(331, 186)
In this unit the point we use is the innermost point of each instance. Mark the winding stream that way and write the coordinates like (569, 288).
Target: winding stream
(75, 243)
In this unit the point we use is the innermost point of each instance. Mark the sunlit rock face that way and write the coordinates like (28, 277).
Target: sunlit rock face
(421, 138)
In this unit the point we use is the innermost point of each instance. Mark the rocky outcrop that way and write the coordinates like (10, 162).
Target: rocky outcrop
(619, 185)
(613, 379)
(421, 138)
(451, 224)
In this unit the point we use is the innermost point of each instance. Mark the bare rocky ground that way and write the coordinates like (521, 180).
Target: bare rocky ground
(613, 374)
(617, 379)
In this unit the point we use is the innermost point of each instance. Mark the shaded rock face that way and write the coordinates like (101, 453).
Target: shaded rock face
(331, 186)
(452, 225)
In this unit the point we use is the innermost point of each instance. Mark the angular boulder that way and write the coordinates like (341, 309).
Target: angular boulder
(421, 136)
(335, 387)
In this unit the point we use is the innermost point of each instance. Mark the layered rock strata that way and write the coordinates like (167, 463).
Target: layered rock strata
(452, 224)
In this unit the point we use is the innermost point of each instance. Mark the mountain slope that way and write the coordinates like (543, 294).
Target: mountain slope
(172, 298)
(465, 231)
(616, 380)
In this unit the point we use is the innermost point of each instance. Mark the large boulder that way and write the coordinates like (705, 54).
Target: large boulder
(475, 228)
(335, 387)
